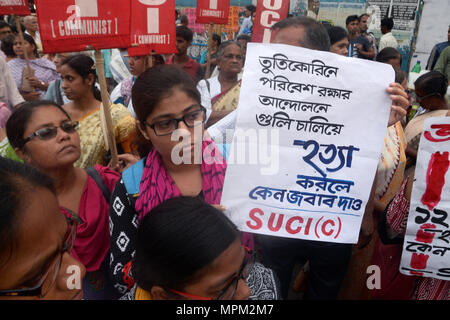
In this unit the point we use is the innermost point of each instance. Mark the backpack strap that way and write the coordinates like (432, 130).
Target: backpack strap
(132, 177)
(93, 173)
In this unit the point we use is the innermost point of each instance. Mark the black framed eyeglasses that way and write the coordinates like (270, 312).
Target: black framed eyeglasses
(50, 132)
(230, 290)
(191, 119)
(37, 288)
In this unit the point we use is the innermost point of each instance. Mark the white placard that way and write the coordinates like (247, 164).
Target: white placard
(426, 248)
(309, 134)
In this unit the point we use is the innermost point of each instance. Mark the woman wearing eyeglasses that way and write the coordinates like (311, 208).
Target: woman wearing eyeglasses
(35, 238)
(44, 136)
(174, 161)
(430, 90)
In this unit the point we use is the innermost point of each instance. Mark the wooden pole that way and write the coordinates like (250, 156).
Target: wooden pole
(22, 42)
(208, 53)
(105, 100)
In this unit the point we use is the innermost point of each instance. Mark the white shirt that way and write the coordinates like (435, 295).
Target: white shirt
(246, 23)
(388, 40)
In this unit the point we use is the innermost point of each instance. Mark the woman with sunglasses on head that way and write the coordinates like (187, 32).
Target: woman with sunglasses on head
(78, 74)
(430, 91)
(138, 64)
(35, 238)
(187, 249)
(165, 99)
(45, 137)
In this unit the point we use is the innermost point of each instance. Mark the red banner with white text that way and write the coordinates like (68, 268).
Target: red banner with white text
(268, 12)
(73, 25)
(17, 7)
(213, 11)
(153, 27)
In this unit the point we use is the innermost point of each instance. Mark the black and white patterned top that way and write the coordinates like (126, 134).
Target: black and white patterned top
(123, 222)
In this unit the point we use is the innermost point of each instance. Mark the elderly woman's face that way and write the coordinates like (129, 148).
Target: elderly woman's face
(231, 60)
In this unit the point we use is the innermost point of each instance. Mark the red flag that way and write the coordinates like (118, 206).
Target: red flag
(153, 27)
(17, 7)
(212, 11)
(268, 12)
(72, 25)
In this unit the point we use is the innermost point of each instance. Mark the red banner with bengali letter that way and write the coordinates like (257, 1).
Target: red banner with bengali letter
(73, 25)
(153, 27)
(268, 12)
(17, 7)
(212, 11)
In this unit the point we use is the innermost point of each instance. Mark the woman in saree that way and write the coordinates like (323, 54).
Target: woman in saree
(220, 95)
(430, 90)
(78, 74)
(31, 86)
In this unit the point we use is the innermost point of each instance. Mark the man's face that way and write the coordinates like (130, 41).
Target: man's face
(291, 35)
(353, 27)
(182, 45)
(363, 24)
(4, 32)
(31, 23)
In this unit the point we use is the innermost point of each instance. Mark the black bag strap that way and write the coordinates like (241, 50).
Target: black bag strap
(59, 98)
(208, 86)
(93, 173)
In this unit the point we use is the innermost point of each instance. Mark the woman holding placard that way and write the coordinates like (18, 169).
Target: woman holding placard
(79, 74)
(430, 90)
(32, 86)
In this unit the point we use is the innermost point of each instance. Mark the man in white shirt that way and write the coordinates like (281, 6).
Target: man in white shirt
(31, 25)
(247, 22)
(387, 39)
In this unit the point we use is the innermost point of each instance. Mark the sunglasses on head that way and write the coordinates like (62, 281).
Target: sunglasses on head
(50, 132)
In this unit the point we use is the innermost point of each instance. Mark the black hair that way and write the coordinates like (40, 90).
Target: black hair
(154, 85)
(7, 46)
(363, 15)
(432, 82)
(177, 239)
(245, 37)
(84, 66)
(185, 33)
(251, 8)
(31, 41)
(216, 37)
(4, 24)
(184, 19)
(387, 54)
(316, 36)
(17, 181)
(388, 23)
(18, 121)
(337, 34)
(351, 18)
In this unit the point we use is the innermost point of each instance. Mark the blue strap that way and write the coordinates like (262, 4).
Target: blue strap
(132, 177)
(225, 149)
